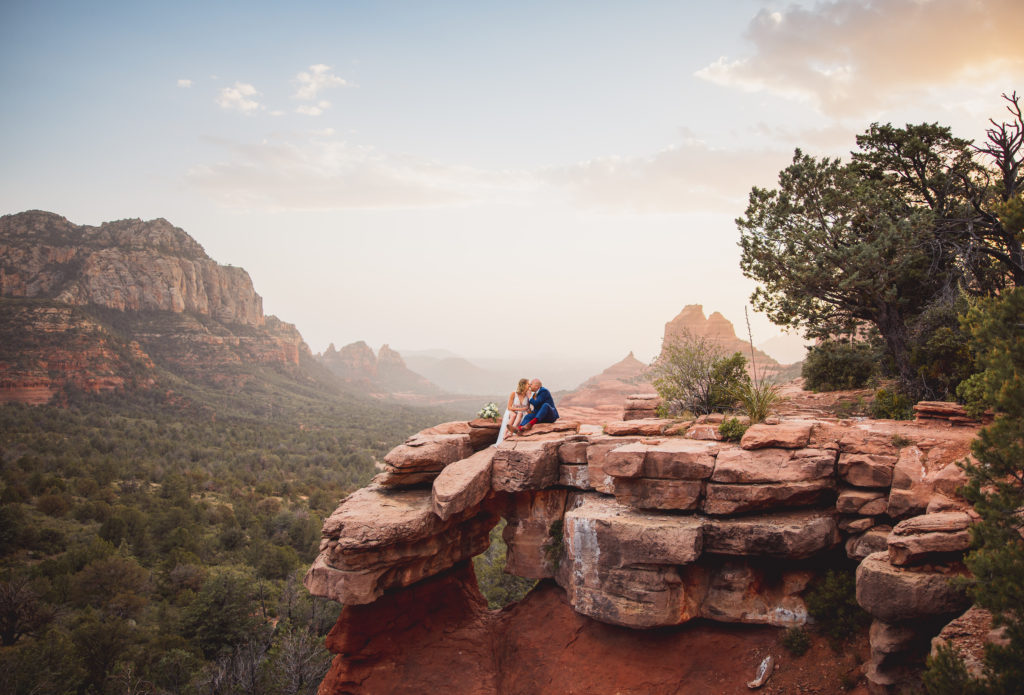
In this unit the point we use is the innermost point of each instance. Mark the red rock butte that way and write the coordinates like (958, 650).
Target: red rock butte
(637, 531)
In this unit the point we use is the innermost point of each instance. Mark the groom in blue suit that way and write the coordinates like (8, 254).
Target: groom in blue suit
(542, 407)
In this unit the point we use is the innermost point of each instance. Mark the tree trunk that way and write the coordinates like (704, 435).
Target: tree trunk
(893, 328)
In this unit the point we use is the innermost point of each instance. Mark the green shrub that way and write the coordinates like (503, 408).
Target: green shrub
(946, 674)
(756, 399)
(796, 641)
(833, 605)
(694, 374)
(891, 405)
(837, 365)
(732, 429)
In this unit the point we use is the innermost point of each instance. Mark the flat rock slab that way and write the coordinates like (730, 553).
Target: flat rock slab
(704, 431)
(724, 498)
(375, 516)
(673, 459)
(866, 470)
(429, 452)
(921, 547)
(573, 452)
(894, 593)
(796, 534)
(949, 522)
(785, 435)
(556, 427)
(463, 484)
(645, 428)
(656, 493)
(773, 465)
(525, 465)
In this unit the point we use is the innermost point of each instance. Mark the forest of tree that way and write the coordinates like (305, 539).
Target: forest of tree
(149, 545)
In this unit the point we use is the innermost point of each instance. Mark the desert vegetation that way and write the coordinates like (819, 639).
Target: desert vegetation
(151, 546)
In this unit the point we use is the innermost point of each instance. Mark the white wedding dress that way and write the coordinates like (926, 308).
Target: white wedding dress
(520, 401)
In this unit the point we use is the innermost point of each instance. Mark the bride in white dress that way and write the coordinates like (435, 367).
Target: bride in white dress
(518, 405)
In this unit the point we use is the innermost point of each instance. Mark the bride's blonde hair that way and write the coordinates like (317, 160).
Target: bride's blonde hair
(521, 387)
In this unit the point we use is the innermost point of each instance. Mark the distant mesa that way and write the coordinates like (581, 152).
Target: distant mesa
(717, 329)
(607, 391)
(379, 374)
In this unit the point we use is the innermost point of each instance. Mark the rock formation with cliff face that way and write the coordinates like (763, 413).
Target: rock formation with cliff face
(108, 307)
(719, 330)
(383, 374)
(646, 524)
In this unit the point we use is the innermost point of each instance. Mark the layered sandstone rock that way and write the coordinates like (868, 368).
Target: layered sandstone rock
(423, 457)
(675, 528)
(128, 265)
(640, 406)
(381, 538)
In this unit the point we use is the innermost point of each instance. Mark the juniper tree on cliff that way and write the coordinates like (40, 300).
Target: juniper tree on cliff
(898, 231)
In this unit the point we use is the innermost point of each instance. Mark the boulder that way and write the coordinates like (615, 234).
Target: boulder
(773, 465)
(744, 591)
(676, 459)
(866, 470)
(854, 500)
(855, 524)
(793, 534)
(379, 539)
(910, 550)
(619, 564)
(423, 456)
(891, 638)
(463, 484)
(656, 493)
(948, 522)
(573, 452)
(874, 540)
(525, 465)
(792, 434)
(913, 480)
(968, 636)
(597, 452)
(894, 593)
(722, 498)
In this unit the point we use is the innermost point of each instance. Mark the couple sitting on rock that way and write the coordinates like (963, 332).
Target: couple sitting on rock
(529, 404)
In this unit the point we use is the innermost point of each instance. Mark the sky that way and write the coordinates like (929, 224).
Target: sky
(557, 178)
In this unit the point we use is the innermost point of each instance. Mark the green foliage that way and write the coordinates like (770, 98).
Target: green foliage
(756, 398)
(899, 441)
(832, 602)
(693, 374)
(732, 430)
(144, 541)
(891, 405)
(796, 641)
(498, 587)
(885, 240)
(996, 482)
(836, 365)
(555, 544)
(945, 674)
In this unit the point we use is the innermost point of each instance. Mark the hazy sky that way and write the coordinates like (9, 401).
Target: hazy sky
(488, 177)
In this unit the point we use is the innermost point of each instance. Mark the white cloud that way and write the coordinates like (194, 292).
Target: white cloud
(852, 56)
(185, 83)
(238, 97)
(313, 171)
(316, 78)
(313, 109)
(685, 178)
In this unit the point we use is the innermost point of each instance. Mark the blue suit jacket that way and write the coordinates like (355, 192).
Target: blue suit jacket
(540, 398)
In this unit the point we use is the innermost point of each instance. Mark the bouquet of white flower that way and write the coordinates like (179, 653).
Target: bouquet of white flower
(489, 411)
